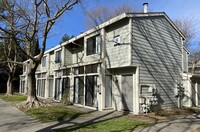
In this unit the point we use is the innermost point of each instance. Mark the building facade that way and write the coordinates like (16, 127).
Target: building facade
(130, 63)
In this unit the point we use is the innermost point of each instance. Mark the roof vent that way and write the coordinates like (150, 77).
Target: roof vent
(145, 6)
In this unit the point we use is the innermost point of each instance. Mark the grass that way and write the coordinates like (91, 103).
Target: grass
(53, 113)
(13, 98)
(115, 124)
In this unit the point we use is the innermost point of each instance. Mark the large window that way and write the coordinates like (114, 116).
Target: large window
(93, 45)
(58, 56)
(41, 84)
(66, 72)
(44, 59)
(91, 68)
(79, 70)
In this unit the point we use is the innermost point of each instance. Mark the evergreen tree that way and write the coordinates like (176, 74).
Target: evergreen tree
(65, 38)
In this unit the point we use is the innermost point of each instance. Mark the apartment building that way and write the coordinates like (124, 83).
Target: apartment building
(131, 62)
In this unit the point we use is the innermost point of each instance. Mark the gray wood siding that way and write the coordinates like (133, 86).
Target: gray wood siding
(118, 56)
(157, 49)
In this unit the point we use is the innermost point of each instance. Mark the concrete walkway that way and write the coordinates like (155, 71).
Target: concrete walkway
(13, 120)
(183, 124)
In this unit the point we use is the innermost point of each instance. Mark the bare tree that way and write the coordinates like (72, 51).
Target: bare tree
(34, 17)
(188, 28)
(8, 44)
(10, 52)
(194, 59)
(100, 14)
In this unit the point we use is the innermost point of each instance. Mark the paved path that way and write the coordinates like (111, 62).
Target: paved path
(184, 124)
(13, 120)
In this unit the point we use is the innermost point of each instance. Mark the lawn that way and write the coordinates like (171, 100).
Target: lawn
(14, 98)
(53, 113)
(60, 113)
(115, 124)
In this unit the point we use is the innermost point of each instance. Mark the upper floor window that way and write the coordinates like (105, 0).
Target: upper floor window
(44, 59)
(116, 40)
(93, 45)
(58, 56)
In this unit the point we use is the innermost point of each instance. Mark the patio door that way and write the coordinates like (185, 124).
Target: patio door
(91, 91)
(57, 89)
(66, 88)
(79, 90)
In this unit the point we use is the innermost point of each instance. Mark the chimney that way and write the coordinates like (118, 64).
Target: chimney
(145, 5)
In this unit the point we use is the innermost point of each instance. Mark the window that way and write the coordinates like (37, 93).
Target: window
(44, 59)
(79, 70)
(41, 87)
(57, 93)
(58, 73)
(41, 84)
(66, 72)
(58, 56)
(91, 68)
(116, 40)
(93, 45)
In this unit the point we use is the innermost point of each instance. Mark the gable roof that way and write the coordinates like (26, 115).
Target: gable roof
(116, 19)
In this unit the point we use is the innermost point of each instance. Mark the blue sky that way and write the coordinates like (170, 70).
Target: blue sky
(72, 22)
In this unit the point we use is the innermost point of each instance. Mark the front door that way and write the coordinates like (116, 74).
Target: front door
(127, 92)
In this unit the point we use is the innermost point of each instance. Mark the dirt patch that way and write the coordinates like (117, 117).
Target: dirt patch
(166, 115)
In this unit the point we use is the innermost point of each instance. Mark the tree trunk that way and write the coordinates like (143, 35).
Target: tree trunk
(31, 93)
(9, 84)
(32, 100)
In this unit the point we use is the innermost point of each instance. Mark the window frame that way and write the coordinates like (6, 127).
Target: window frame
(58, 56)
(44, 63)
(93, 45)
